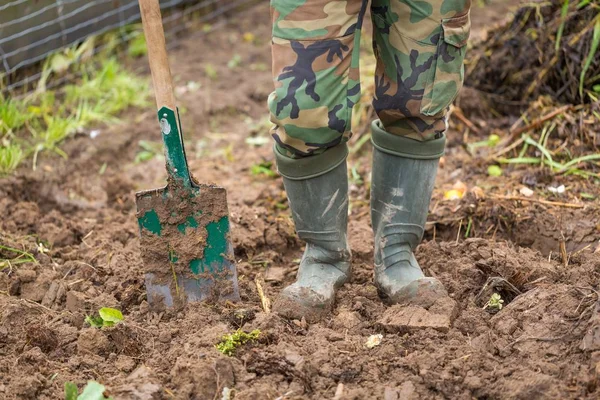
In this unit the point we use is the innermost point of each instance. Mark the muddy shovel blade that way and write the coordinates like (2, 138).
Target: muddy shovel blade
(184, 228)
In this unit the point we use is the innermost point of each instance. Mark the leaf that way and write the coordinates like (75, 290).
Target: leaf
(235, 61)
(494, 170)
(110, 315)
(587, 196)
(590, 56)
(93, 391)
(561, 28)
(94, 322)
(70, 391)
(143, 156)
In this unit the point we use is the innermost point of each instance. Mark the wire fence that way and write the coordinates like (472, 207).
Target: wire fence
(31, 30)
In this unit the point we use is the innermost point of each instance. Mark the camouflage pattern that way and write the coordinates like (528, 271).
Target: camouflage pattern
(420, 47)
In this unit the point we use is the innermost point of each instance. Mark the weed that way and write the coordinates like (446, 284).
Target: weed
(494, 170)
(591, 55)
(42, 120)
(10, 158)
(137, 46)
(491, 142)
(211, 72)
(494, 304)
(355, 177)
(148, 152)
(13, 115)
(263, 168)
(235, 61)
(92, 391)
(107, 317)
(21, 257)
(232, 341)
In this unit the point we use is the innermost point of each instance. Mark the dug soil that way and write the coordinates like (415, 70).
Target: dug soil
(76, 216)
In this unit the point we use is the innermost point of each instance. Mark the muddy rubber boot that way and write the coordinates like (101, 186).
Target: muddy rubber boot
(319, 206)
(402, 182)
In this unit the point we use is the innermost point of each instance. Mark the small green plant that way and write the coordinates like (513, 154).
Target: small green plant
(211, 72)
(235, 61)
(13, 115)
(263, 168)
(20, 257)
(494, 170)
(232, 341)
(494, 303)
(137, 46)
(491, 141)
(107, 317)
(150, 150)
(92, 391)
(10, 158)
(355, 176)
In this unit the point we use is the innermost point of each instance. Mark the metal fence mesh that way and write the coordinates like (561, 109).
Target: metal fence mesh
(31, 30)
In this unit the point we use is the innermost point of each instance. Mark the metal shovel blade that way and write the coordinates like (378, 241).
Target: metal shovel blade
(184, 228)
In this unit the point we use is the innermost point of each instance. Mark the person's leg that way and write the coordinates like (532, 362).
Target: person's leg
(420, 48)
(315, 71)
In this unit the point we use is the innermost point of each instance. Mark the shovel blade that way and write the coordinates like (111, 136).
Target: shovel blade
(185, 245)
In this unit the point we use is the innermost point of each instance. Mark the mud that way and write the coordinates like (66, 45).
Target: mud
(544, 342)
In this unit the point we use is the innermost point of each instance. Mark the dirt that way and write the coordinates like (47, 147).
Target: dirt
(544, 260)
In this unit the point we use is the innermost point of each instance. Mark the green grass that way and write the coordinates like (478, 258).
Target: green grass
(16, 257)
(40, 121)
(546, 158)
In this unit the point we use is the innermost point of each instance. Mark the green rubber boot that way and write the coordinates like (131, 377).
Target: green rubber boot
(319, 203)
(402, 182)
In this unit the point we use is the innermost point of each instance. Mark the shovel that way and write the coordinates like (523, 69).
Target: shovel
(184, 227)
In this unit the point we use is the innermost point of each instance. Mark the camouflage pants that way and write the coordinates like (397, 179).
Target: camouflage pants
(419, 45)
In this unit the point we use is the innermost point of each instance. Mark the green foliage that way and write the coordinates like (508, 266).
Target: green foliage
(491, 141)
(263, 168)
(10, 158)
(232, 341)
(494, 170)
(355, 177)
(13, 115)
(591, 55)
(235, 61)
(107, 317)
(495, 303)
(569, 167)
(137, 46)
(211, 72)
(148, 152)
(42, 120)
(14, 258)
(92, 391)
(71, 391)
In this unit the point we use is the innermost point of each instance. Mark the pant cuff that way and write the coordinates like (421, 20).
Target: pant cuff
(312, 166)
(402, 146)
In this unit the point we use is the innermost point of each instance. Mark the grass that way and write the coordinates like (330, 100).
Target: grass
(546, 158)
(40, 121)
(20, 257)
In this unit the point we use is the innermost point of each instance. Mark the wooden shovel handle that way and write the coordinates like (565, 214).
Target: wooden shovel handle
(157, 54)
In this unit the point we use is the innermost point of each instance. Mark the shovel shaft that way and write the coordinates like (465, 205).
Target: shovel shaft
(168, 115)
(157, 54)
